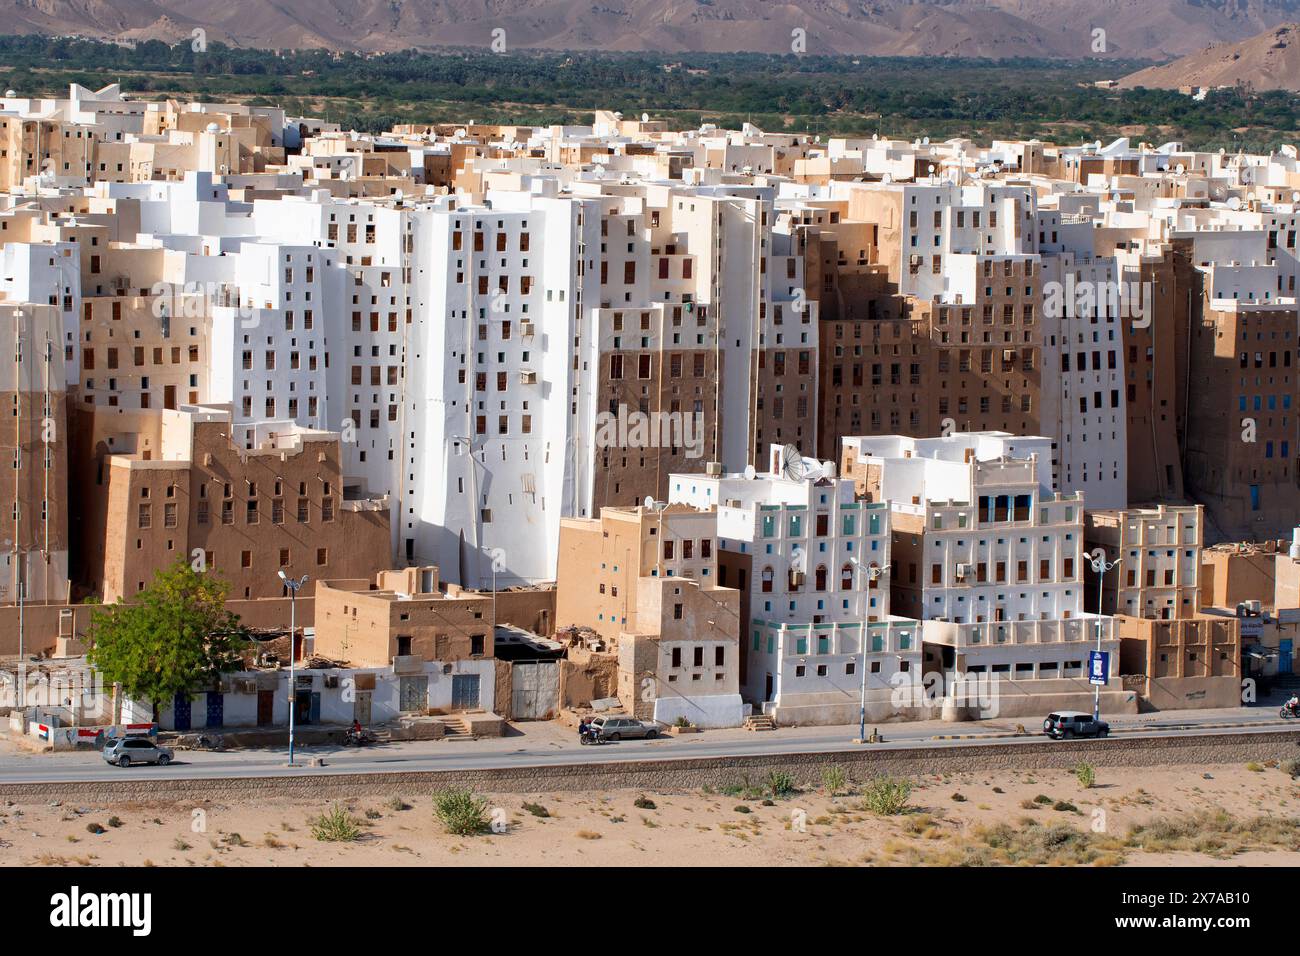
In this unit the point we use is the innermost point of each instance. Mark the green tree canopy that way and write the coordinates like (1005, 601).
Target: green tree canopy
(176, 637)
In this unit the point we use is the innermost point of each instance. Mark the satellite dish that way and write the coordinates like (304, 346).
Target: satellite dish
(828, 469)
(792, 464)
(461, 133)
(875, 137)
(798, 560)
(11, 93)
(925, 141)
(645, 117)
(1222, 151)
(1180, 169)
(649, 501)
(749, 472)
(1295, 197)
(1234, 203)
(887, 179)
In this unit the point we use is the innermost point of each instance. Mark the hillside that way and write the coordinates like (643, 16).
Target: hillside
(1270, 61)
(1135, 29)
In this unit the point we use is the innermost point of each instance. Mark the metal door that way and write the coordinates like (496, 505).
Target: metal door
(535, 690)
(313, 715)
(361, 707)
(413, 694)
(181, 712)
(464, 692)
(216, 708)
(1284, 649)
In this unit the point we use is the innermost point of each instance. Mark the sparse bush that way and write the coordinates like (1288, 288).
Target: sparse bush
(115, 822)
(95, 828)
(1086, 774)
(461, 811)
(644, 803)
(1043, 798)
(958, 797)
(537, 810)
(1290, 767)
(886, 796)
(1216, 833)
(833, 779)
(397, 804)
(335, 825)
(741, 808)
(780, 783)
(1065, 806)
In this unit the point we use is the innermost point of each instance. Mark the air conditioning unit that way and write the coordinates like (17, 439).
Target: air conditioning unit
(963, 571)
(245, 686)
(796, 579)
(331, 681)
(528, 378)
(527, 329)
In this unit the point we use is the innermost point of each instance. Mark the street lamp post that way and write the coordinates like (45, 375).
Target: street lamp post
(1101, 566)
(873, 572)
(293, 586)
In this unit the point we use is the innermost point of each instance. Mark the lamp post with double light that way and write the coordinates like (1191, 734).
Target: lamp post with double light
(293, 587)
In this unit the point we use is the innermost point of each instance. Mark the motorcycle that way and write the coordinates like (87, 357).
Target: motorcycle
(358, 738)
(1288, 711)
(591, 737)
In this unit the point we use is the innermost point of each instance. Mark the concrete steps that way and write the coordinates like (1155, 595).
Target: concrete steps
(758, 722)
(458, 728)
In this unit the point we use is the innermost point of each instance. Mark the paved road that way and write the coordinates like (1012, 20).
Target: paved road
(547, 745)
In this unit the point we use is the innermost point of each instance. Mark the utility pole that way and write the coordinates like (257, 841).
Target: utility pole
(293, 587)
(1100, 565)
(873, 572)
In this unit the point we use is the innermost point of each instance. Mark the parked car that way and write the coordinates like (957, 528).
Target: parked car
(132, 750)
(623, 728)
(1074, 723)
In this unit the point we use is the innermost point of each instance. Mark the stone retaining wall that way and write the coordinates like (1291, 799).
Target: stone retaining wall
(718, 772)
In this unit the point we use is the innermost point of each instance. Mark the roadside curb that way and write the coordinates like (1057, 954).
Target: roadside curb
(1118, 732)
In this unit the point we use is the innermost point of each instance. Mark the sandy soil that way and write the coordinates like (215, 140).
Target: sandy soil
(947, 817)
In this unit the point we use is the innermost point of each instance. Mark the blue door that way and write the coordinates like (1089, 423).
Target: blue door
(464, 692)
(314, 717)
(181, 712)
(1284, 656)
(216, 708)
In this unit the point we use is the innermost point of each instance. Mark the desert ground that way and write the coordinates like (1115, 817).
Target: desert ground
(1245, 814)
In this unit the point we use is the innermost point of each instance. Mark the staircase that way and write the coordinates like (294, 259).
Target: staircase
(759, 722)
(457, 728)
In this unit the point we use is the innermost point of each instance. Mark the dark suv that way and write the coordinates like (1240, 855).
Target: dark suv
(1074, 723)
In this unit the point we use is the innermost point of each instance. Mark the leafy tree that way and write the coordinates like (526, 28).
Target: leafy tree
(175, 638)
